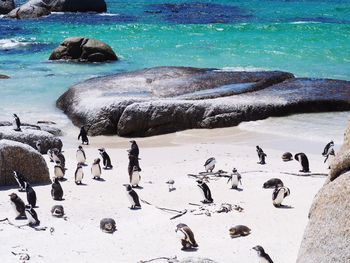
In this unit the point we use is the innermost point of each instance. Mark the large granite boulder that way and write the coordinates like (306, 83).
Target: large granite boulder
(38, 8)
(83, 50)
(16, 156)
(327, 235)
(168, 99)
(6, 6)
(31, 136)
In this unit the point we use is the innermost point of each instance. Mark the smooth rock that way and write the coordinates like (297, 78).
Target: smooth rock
(5, 7)
(16, 156)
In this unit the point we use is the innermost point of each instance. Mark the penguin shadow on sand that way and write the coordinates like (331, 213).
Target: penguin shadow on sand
(285, 207)
(99, 179)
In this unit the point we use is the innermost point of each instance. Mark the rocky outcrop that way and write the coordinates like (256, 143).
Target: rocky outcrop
(168, 99)
(4, 76)
(83, 50)
(6, 6)
(31, 136)
(15, 156)
(38, 8)
(327, 235)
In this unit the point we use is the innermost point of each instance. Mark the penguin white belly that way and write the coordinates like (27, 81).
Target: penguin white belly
(79, 176)
(135, 178)
(30, 218)
(263, 260)
(80, 157)
(180, 235)
(234, 180)
(279, 197)
(210, 166)
(58, 172)
(95, 170)
(131, 199)
(55, 158)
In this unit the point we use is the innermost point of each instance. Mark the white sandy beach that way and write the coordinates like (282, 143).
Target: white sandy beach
(149, 233)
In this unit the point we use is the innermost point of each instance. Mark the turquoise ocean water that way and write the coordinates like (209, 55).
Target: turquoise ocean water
(308, 38)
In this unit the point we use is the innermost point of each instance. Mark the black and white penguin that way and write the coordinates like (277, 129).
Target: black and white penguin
(18, 205)
(31, 195)
(38, 146)
(105, 159)
(186, 236)
(133, 161)
(135, 177)
(16, 123)
(329, 153)
(58, 171)
(108, 225)
(56, 190)
(134, 149)
(79, 174)
(235, 179)
(261, 155)
(304, 162)
(239, 231)
(96, 169)
(205, 191)
(263, 257)
(57, 211)
(171, 183)
(80, 155)
(279, 194)
(209, 164)
(273, 183)
(83, 135)
(32, 216)
(58, 156)
(133, 197)
(21, 181)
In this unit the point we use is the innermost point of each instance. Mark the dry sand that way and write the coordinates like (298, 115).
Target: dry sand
(149, 233)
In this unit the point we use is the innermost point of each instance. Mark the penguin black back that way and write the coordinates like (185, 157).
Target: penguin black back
(31, 195)
(56, 190)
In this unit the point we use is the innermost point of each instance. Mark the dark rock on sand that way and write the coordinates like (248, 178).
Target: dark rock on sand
(5, 7)
(16, 156)
(83, 50)
(4, 76)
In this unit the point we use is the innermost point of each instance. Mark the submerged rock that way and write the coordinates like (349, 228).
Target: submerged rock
(16, 156)
(83, 50)
(5, 7)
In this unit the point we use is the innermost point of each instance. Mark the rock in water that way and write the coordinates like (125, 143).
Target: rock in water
(83, 50)
(6, 6)
(16, 156)
(4, 76)
(327, 235)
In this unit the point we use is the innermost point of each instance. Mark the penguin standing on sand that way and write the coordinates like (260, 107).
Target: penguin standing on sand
(264, 258)
(134, 149)
(56, 190)
(279, 194)
(31, 195)
(58, 171)
(205, 191)
(304, 162)
(329, 153)
(186, 236)
(80, 155)
(31, 216)
(20, 180)
(16, 123)
(235, 179)
(261, 155)
(96, 169)
(83, 135)
(105, 158)
(209, 164)
(133, 197)
(18, 205)
(79, 174)
(133, 162)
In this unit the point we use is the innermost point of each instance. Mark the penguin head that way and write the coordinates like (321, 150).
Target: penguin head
(132, 141)
(80, 147)
(135, 168)
(128, 187)
(13, 196)
(234, 170)
(28, 207)
(15, 174)
(179, 226)
(97, 160)
(101, 150)
(15, 115)
(259, 249)
(257, 147)
(199, 181)
(58, 162)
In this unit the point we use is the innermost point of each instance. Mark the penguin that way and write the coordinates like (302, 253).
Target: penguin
(264, 258)
(32, 216)
(133, 197)
(205, 191)
(96, 169)
(329, 153)
(235, 179)
(327, 148)
(186, 236)
(133, 161)
(80, 155)
(287, 156)
(56, 190)
(135, 177)
(38, 146)
(279, 194)
(18, 205)
(50, 154)
(16, 123)
(58, 156)
(304, 162)
(108, 225)
(79, 174)
(261, 155)
(210, 165)
(171, 183)
(134, 149)
(31, 195)
(273, 183)
(57, 211)
(83, 135)
(59, 171)
(239, 231)
(105, 158)
(20, 180)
